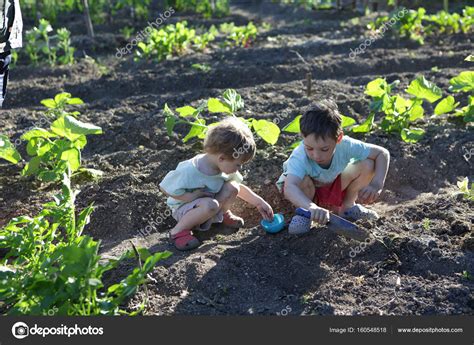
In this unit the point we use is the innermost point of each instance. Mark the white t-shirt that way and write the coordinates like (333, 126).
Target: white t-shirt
(349, 150)
(187, 178)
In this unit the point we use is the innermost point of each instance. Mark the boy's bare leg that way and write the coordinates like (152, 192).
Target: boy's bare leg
(204, 210)
(309, 189)
(354, 178)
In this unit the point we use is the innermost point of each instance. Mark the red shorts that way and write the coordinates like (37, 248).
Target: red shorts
(330, 195)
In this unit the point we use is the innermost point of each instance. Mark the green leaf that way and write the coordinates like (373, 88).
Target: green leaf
(347, 121)
(152, 260)
(401, 104)
(216, 106)
(197, 129)
(422, 88)
(294, 145)
(38, 133)
(75, 101)
(143, 253)
(31, 167)
(233, 100)
(8, 151)
(91, 174)
(170, 121)
(445, 106)
(267, 130)
(412, 135)
(80, 142)
(416, 110)
(470, 58)
(377, 88)
(167, 111)
(69, 127)
(73, 157)
(366, 126)
(49, 103)
(63, 96)
(463, 185)
(463, 82)
(38, 147)
(293, 126)
(186, 111)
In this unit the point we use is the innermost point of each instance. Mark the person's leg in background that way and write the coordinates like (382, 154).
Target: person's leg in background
(5, 59)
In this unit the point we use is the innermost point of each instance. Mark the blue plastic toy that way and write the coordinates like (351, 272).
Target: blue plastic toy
(274, 226)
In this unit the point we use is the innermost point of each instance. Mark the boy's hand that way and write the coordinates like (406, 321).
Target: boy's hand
(265, 210)
(319, 214)
(370, 193)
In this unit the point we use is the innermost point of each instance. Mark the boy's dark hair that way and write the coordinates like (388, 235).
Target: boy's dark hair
(322, 119)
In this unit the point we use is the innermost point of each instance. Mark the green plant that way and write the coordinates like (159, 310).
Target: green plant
(8, 150)
(466, 275)
(127, 32)
(200, 42)
(58, 148)
(227, 28)
(137, 8)
(230, 103)
(57, 106)
(171, 40)
(467, 192)
(40, 45)
(242, 35)
(64, 45)
(38, 42)
(426, 224)
(201, 67)
(50, 264)
(208, 8)
(416, 24)
(464, 82)
(399, 111)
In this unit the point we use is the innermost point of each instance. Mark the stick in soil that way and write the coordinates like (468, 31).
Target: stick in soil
(309, 81)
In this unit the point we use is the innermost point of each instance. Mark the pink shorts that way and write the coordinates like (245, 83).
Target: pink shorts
(179, 213)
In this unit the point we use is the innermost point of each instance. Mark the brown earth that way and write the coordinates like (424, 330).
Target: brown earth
(424, 237)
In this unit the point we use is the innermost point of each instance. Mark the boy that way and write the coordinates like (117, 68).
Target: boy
(330, 171)
(202, 189)
(11, 25)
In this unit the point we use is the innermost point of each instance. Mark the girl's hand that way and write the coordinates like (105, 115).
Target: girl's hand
(265, 210)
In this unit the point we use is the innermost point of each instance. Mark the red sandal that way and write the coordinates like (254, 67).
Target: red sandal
(183, 240)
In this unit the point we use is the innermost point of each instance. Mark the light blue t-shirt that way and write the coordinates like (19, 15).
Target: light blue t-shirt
(349, 150)
(187, 178)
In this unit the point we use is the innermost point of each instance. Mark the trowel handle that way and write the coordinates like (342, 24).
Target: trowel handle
(303, 212)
